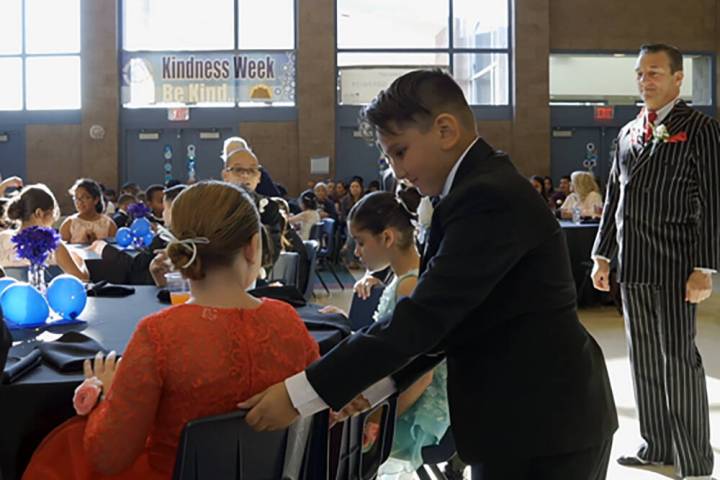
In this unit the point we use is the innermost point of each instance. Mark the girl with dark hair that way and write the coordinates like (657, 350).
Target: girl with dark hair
(89, 223)
(309, 215)
(35, 206)
(382, 225)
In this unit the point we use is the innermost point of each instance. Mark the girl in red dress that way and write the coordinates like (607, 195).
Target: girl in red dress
(188, 361)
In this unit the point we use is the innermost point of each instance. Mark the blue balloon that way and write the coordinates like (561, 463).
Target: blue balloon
(23, 305)
(148, 238)
(66, 295)
(123, 237)
(140, 227)
(6, 282)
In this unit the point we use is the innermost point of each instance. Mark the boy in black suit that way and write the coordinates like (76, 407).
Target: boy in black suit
(528, 388)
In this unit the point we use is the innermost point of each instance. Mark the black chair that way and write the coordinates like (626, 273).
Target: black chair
(352, 462)
(325, 230)
(285, 269)
(361, 311)
(312, 248)
(435, 454)
(225, 447)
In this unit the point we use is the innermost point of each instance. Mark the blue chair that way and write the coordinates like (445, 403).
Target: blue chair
(326, 232)
(361, 311)
(225, 447)
(436, 454)
(312, 248)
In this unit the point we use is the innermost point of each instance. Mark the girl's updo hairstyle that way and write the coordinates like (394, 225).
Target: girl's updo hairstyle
(23, 205)
(222, 213)
(379, 211)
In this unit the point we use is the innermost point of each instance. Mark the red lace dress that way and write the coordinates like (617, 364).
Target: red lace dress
(182, 363)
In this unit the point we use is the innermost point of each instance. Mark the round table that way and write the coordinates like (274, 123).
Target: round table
(35, 404)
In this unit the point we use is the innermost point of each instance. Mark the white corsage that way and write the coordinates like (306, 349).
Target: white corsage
(264, 202)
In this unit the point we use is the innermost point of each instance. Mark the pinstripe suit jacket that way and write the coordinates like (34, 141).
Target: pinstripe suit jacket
(662, 208)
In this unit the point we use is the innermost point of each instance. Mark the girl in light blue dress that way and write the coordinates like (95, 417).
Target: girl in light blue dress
(382, 226)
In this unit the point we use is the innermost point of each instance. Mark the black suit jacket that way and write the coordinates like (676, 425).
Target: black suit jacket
(662, 208)
(496, 298)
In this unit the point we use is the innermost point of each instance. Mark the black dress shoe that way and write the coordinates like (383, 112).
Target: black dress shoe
(635, 461)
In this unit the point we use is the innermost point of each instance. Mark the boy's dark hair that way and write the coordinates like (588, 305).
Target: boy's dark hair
(131, 187)
(566, 177)
(125, 199)
(675, 56)
(171, 193)
(417, 98)
(152, 190)
(172, 182)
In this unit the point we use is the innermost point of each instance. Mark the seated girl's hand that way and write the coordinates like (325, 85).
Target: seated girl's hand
(90, 237)
(87, 395)
(103, 368)
(159, 266)
(364, 286)
(332, 310)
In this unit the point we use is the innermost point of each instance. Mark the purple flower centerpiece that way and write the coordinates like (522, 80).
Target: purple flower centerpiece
(138, 210)
(35, 244)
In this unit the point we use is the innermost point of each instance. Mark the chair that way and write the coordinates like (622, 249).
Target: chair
(285, 269)
(326, 231)
(435, 454)
(352, 462)
(225, 447)
(312, 248)
(361, 311)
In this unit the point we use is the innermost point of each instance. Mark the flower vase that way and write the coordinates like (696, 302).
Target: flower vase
(36, 277)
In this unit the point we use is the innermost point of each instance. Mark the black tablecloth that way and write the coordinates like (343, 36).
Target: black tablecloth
(580, 239)
(41, 400)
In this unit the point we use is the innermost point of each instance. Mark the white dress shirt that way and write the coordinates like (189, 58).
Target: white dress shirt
(662, 114)
(302, 394)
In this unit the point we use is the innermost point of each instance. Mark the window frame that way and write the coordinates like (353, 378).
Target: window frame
(450, 50)
(24, 55)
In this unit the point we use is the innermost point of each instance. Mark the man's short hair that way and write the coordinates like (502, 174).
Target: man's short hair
(675, 56)
(416, 98)
(151, 190)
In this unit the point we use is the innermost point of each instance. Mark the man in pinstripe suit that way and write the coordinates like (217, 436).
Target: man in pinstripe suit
(661, 221)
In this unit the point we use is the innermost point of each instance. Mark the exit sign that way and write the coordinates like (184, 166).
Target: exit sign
(604, 113)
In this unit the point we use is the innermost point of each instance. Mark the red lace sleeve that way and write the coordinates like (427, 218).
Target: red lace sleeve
(117, 429)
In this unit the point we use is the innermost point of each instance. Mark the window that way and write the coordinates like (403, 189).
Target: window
(609, 79)
(471, 39)
(219, 53)
(40, 55)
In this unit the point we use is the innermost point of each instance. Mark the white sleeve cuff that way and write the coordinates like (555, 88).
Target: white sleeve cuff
(379, 391)
(705, 270)
(600, 257)
(303, 396)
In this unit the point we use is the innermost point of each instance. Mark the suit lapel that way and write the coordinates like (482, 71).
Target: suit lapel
(674, 122)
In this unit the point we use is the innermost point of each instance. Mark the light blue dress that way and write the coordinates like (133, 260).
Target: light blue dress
(427, 420)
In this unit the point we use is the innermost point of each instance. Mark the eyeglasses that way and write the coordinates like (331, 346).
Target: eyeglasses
(240, 171)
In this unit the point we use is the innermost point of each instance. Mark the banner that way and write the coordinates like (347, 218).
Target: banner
(157, 79)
